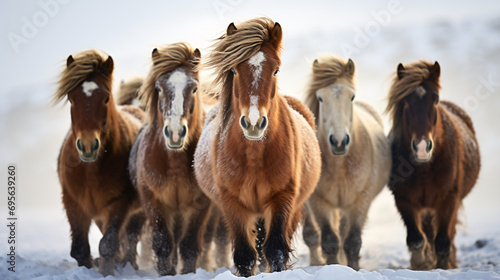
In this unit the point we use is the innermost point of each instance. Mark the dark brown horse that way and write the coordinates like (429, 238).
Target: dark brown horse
(93, 161)
(435, 163)
(161, 159)
(258, 158)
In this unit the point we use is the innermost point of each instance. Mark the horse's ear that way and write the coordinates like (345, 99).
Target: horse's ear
(401, 70)
(69, 60)
(435, 71)
(196, 56)
(315, 65)
(349, 67)
(155, 55)
(107, 66)
(230, 29)
(276, 35)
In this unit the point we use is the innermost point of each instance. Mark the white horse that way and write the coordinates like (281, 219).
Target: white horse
(356, 163)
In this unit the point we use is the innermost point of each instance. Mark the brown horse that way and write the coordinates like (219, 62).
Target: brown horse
(436, 161)
(93, 160)
(356, 163)
(128, 93)
(258, 157)
(161, 159)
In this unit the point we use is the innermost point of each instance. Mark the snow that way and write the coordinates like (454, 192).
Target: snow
(465, 42)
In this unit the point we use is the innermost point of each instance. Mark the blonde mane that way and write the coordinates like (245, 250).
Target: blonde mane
(129, 90)
(326, 71)
(229, 51)
(84, 65)
(170, 57)
(414, 75)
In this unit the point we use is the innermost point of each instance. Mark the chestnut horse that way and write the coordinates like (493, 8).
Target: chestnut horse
(161, 159)
(435, 163)
(93, 160)
(356, 163)
(258, 158)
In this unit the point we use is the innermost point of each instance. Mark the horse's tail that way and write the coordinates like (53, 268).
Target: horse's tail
(128, 92)
(460, 113)
(298, 106)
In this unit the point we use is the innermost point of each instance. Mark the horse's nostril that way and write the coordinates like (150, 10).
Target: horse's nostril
(244, 123)
(414, 145)
(167, 133)
(263, 124)
(96, 144)
(183, 132)
(79, 145)
(333, 142)
(347, 140)
(429, 146)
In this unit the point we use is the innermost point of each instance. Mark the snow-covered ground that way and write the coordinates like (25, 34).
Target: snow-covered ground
(464, 36)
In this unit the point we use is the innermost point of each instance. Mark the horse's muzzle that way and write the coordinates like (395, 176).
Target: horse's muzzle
(422, 150)
(339, 148)
(253, 132)
(88, 151)
(175, 138)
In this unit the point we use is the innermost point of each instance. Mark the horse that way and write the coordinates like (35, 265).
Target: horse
(160, 163)
(92, 163)
(435, 163)
(356, 163)
(128, 93)
(257, 158)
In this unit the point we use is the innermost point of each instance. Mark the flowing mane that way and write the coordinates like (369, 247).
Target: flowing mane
(169, 58)
(229, 51)
(326, 71)
(129, 90)
(87, 62)
(414, 75)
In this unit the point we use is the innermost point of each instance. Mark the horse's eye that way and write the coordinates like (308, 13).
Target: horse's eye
(106, 101)
(320, 99)
(233, 71)
(158, 89)
(194, 90)
(276, 72)
(352, 99)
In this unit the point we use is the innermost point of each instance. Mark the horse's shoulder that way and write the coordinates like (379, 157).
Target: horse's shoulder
(298, 106)
(370, 110)
(459, 112)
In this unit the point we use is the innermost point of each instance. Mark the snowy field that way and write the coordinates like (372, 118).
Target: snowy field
(37, 36)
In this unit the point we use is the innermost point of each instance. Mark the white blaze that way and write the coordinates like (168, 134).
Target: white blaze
(256, 62)
(177, 82)
(89, 87)
(421, 91)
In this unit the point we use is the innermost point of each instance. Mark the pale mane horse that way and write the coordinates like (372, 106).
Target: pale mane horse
(356, 163)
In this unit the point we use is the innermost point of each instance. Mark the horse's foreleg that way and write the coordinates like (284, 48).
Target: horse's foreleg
(310, 234)
(240, 223)
(414, 238)
(162, 238)
(110, 243)
(277, 245)
(79, 224)
(447, 219)
(190, 245)
(222, 244)
(132, 232)
(352, 241)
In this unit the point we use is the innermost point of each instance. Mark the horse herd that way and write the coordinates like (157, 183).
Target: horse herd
(203, 166)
